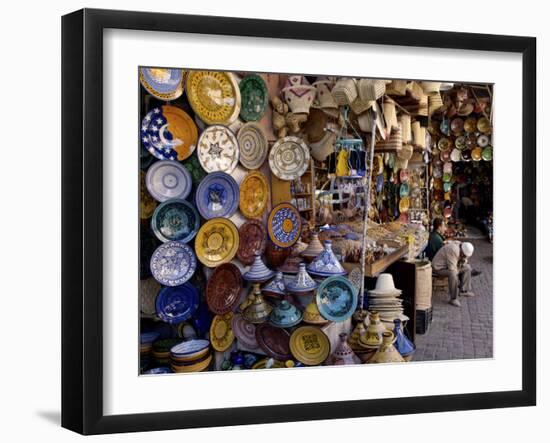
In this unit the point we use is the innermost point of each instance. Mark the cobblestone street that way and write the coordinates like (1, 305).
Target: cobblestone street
(467, 331)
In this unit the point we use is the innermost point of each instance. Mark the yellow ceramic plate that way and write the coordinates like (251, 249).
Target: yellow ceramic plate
(309, 345)
(476, 154)
(404, 204)
(183, 129)
(147, 204)
(200, 366)
(214, 96)
(221, 332)
(253, 195)
(217, 242)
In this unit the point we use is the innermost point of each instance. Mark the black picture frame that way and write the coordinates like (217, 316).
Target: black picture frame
(82, 188)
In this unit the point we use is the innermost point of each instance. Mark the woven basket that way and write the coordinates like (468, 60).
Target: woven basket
(419, 135)
(405, 123)
(430, 86)
(371, 89)
(359, 105)
(393, 143)
(435, 103)
(415, 90)
(390, 115)
(345, 91)
(423, 293)
(423, 106)
(397, 87)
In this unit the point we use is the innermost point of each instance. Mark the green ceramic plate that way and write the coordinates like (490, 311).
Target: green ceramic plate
(487, 154)
(254, 97)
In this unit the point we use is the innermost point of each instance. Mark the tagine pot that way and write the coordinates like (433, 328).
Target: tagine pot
(313, 249)
(258, 272)
(312, 315)
(276, 287)
(326, 264)
(302, 283)
(344, 355)
(403, 345)
(387, 352)
(372, 339)
(285, 315)
(259, 310)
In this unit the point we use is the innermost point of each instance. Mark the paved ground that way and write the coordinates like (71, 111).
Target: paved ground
(467, 331)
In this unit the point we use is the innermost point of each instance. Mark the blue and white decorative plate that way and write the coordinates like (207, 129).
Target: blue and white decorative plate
(175, 220)
(217, 195)
(173, 263)
(168, 179)
(189, 347)
(336, 299)
(176, 304)
(284, 225)
(163, 83)
(154, 136)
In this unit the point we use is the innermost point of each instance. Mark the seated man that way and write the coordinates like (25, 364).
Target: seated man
(451, 262)
(437, 239)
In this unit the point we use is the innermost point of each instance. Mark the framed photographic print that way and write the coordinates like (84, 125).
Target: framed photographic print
(273, 221)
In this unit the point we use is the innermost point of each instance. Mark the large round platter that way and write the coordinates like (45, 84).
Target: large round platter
(253, 194)
(217, 195)
(254, 97)
(253, 145)
(218, 149)
(289, 158)
(244, 331)
(217, 242)
(163, 83)
(173, 263)
(168, 133)
(148, 291)
(147, 204)
(309, 345)
(284, 225)
(214, 96)
(252, 241)
(174, 305)
(273, 341)
(168, 179)
(221, 332)
(175, 220)
(336, 298)
(223, 289)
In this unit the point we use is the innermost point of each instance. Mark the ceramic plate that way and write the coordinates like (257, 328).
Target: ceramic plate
(217, 195)
(218, 149)
(275, 342)
(214, 96)
(336, 299)
(194, 167)
(404, 204)
(253, 145)
(487, 153)
(173, 263)
(190, 347)
(460, 142)
(252, 241)
(309, 345)
(223, 289)
(244, 331)
(217, 242)
(444, 144)
(253, 195)
(148, 291)
(254, 97)
(455, 155)
(221, 332)
(175, 220)
(289, 158)
(176, 304)
(483, 140)
(476, 154)
(168, 133)
(284, 225)
(163, 83)
(147, 204)
(168, 179)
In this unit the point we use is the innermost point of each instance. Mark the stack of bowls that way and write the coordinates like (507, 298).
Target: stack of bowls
(191, 356)
(146, 340)
(161, 350)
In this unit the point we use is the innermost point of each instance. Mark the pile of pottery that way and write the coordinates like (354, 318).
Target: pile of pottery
(146, 340)
(191, 356)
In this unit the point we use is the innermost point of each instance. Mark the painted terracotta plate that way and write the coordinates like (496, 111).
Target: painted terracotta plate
(214, 96)
(336, 298)
(221, 332)
(252, 241)
(253, 145)
(173, 263)
(223, 289)
(275, 342)
(217, 195)
(147, 204)
(175, 220)
(309, 345)
(254, 194)
(218, 149)
(163, 83)
(217, 242)
(168, 179)
(284, 225)
(244, 331)
(174, 305)
(289, 158)
(254, 97)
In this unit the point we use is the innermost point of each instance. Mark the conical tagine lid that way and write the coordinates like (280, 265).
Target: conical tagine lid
(275, 286)
(387, 352)
(302, 282)
(314, 248)
(344, 355)
(285, 315)
(326, 264)
(258, 272)
(258, 311)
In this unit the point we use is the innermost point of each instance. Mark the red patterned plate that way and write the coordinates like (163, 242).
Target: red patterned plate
(223, 290)
(274, 341)
(252, 240)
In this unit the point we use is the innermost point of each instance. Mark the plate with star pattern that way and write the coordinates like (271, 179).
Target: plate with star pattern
(218, 149)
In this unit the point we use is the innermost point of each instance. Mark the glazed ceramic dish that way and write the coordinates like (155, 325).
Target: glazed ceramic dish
(173, 263)
(254, 97)
(217, 195)
(214, 96)
(326, 264)
(253, 145)
(336, 298)
(221, 332)
(285, 315)
(163, 83)
(253, 194)
(175, 220)
(273, 341)
(284, 225)
(176, 304)
(252, 241)
(289, 158)
(218, 149)
(147, 204)
(309, 345)
(194, 167)
(217, 242)
(223, 289)
(168, 179)
(245, 332)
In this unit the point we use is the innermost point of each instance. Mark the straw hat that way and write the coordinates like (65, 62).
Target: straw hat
(385, 285)
(397, 87)
(405, 123)
(323, 97)
(415, 90)
(435, 103)
(430, 86)
(359, 105)
(345, 91)
(370, 89)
